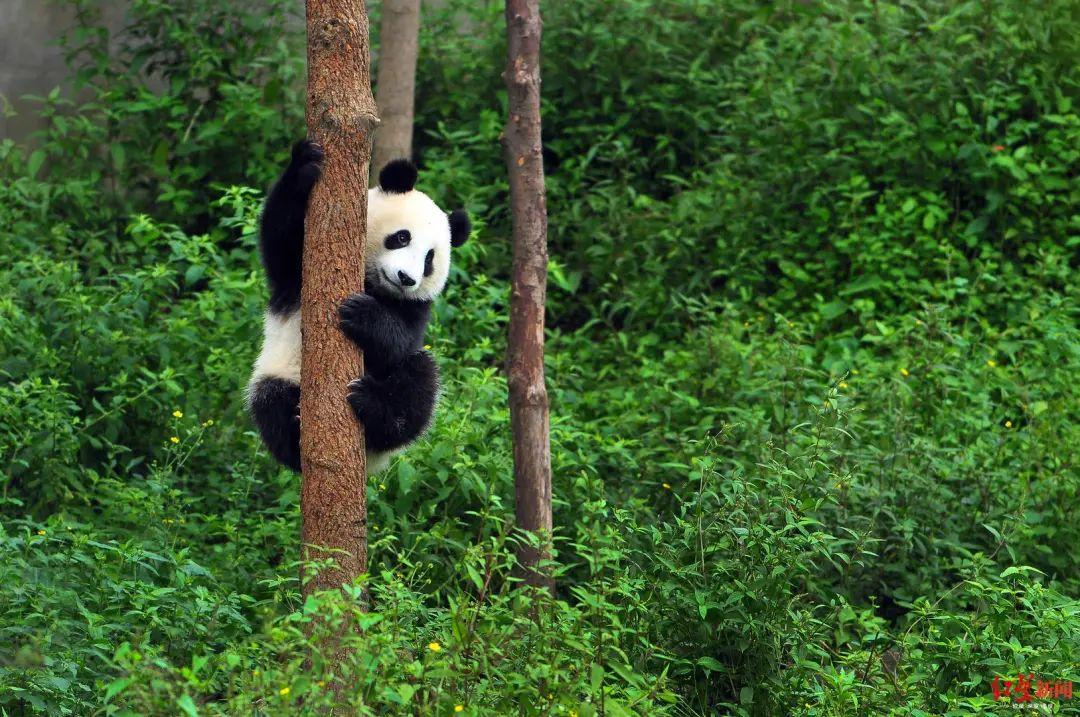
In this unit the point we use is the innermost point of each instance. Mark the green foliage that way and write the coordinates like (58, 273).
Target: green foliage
(812, 358)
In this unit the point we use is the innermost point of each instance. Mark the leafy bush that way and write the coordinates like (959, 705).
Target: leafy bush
(814, 328)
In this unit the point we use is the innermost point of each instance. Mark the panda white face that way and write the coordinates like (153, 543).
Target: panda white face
(408, 245)
(408, 237)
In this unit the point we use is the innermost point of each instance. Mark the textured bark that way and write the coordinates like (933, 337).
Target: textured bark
(525, 351)
(341, 116)
(396, 84)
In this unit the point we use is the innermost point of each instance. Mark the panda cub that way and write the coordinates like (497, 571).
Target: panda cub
(407, 262)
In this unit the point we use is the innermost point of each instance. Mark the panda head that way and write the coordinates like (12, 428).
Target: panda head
(408, 237)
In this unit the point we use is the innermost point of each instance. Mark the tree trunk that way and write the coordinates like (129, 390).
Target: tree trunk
(525, 351)
(396, 84)
(341, 116)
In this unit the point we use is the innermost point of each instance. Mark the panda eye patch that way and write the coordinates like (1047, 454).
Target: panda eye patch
(398, 240)
(429, 262)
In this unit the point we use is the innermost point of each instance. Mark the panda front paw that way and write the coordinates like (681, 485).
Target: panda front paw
(362, 396)
(356, 317)
(306, 165)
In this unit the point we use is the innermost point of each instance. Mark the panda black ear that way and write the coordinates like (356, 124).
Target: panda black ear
(459, 227)
(398, 176)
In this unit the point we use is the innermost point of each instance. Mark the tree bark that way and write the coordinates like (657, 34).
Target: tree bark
(396, 86)
(341, 116)
(525, 350)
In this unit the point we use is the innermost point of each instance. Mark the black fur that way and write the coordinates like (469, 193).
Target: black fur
(396, 407)
(398, 176)
(387, 329)
(459, 227)
(275, 405)
(282, 236)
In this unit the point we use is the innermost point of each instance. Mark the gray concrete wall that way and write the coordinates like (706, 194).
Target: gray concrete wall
(30, 61)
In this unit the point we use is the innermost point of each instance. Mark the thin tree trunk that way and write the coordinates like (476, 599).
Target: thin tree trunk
(396, 86)
(341, 116)
(525, 351)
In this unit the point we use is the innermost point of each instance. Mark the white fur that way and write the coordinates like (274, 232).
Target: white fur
(429, 227)
(280, 355)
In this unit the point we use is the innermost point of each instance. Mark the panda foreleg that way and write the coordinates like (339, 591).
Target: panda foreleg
(281, 237)
(384, 335)
(275, 405)
(396, 408)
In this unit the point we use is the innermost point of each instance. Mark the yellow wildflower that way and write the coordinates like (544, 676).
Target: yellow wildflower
(991, 363)
(459, 708)
(382, 486)
(174, 439)
(284, 691)
(667, 486)
(843, 384)
(904, 372)
(178, 413)
(1008, 424)
(41, 532)
(427, 347)
(434, 646)
(210, 421)
(321, 683)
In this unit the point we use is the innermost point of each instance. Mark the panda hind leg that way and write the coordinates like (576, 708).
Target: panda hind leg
(275, 405)
(396, 408)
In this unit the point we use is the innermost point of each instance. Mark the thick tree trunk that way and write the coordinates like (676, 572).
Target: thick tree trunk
(341, 116)
(396, 84)
(525, 352)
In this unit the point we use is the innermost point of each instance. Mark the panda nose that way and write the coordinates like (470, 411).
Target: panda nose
(405, 279)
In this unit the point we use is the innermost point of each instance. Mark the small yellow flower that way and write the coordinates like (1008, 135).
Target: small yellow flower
(904, 372)
(854, 372)
(256, 673)
(41, 532)
(459, 708)
(174, 439)
(427, 347)
(321, 683)
(843, 384)
(382, 486)
(667, 486)
(210, 421)
(573, 713)
(178, 413)
(1008, 424)
(991, 363)
(284, 691)
(434, 646)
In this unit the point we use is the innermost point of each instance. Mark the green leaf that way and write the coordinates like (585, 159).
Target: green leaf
(37, 158)
(188, 705)
(596, 676)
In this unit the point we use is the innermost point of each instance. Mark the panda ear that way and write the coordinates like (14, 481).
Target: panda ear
(398, 176)
(459, 227)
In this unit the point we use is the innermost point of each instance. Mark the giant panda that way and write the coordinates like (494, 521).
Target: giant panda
(407, 262)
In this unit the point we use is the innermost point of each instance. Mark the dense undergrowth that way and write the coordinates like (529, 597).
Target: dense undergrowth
(813, 366)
